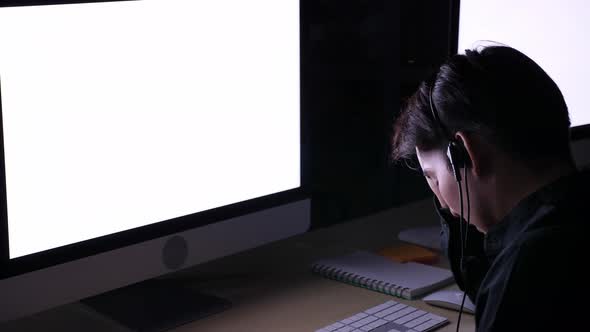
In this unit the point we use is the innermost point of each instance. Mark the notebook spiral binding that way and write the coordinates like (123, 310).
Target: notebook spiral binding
(358, 280)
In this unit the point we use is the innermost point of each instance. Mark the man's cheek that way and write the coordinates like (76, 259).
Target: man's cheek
(451, 197)
(443, 203)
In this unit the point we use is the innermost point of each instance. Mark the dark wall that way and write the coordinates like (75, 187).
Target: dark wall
(364, 56)
(425, 40)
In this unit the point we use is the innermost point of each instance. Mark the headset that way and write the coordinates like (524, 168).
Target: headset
(458, 159)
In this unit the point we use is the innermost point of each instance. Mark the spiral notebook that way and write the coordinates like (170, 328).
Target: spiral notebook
(368, 270)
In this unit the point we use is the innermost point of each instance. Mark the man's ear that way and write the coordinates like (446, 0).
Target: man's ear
(477, 151)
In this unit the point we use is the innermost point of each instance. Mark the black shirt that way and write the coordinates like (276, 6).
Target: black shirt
(529, 272)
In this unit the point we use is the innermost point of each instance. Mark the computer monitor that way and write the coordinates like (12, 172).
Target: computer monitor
(552, 33)
(143, 137)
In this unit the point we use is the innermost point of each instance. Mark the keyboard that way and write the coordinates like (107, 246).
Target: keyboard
(390, 316)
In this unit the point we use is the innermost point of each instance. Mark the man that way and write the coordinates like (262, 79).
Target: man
(491, 133)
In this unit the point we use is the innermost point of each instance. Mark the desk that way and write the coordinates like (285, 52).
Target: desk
(271, 287)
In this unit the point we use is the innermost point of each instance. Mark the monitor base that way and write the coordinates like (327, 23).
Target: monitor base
(155, 306)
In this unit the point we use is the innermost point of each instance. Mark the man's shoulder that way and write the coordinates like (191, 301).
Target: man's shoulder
(558, 243)
(563, 216)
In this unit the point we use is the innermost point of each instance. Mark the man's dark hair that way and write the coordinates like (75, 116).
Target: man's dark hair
(496, 92)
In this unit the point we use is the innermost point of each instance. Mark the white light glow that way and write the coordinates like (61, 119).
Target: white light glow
(122, 114)
(552, 33)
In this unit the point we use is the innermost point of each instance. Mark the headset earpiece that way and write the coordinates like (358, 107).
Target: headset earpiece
(458, 157)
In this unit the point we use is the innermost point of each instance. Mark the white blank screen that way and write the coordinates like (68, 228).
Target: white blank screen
(122, 114)
(552, 33)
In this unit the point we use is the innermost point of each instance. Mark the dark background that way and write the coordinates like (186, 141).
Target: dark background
(365, 56)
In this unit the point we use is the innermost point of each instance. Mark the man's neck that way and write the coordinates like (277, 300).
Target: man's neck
(512, 186)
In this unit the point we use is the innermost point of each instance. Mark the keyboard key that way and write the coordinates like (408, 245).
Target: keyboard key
(345, 329)
(364, 321)
(349, 320)
(374, 325)
(425, 326)
(409, 317)
(336, 326)
(390, 310)
(360, 315)
(354, 318)
(400, 306)
(380, 307)
(417, 321)
(399, 314)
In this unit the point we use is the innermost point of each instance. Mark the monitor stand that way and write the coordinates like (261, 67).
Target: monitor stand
(155, 306)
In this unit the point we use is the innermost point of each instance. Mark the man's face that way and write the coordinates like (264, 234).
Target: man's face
(440, 179)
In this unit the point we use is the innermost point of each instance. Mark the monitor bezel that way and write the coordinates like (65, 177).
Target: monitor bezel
(576, 132)
(37, 261)
(22, 3)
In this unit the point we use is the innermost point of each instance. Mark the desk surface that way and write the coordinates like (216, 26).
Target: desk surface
(271, 287)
